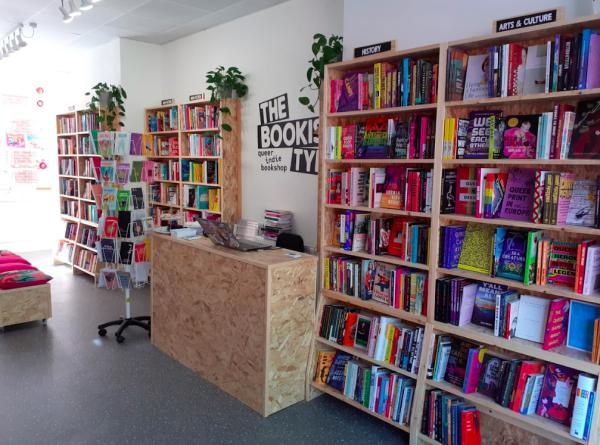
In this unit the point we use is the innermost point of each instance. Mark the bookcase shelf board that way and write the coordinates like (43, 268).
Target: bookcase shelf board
(226, 159)
(338, 221)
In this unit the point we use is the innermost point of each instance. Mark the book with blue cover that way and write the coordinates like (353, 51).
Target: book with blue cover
(581, 325)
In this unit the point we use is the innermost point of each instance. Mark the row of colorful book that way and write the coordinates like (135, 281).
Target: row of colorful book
(115, 143)
(88, 236)
(377, 389)
(277, 221)
(71, 231)
(566, 132)
(65, 252)
(562, 63)
(552, 323)
(197, 117)
(85, 146)
(393, 286)
(86, 259)
(392, 187)
(408, 82)
(69, 207)
(201, 197)
(67, 186)
(166, 170)
(527, 387)
(450, 420)
(384, 138)
(200, 171)
(115, 251)
(87, 121)
(66, 166)
(164, 193)
(66, 146)
(203, 145)
(66, 124)
(385, 339)
(538, 196)
(523, 256)
(161, 120)
(90, 212)
(156, 145)
(404, 238)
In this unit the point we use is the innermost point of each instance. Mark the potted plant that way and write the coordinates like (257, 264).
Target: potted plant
(325, 51)
(108, 102)
(226, 84)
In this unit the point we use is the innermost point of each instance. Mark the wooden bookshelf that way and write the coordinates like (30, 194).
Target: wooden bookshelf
(228, 163)
(496, 420)
(77, 135)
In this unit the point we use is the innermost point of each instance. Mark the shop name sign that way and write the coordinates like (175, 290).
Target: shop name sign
(376, 48)
(526, 21)
(277, 131)
(197, 97)
(167, 102)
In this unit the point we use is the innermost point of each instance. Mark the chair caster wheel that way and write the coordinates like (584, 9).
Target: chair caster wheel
(44, 322)
(101, 332)
(120, 339)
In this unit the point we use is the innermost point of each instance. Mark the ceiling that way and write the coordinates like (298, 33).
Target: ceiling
(152, 21)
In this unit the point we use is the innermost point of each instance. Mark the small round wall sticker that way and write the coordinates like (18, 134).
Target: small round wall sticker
(43, 166)
(40, 103)
(39, 90)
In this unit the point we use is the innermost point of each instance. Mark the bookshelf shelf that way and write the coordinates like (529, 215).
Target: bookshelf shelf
(543, 426)
(563, 356)
(374, 307)
(512, 105)
(338, 395)
(74, 122)
(382, 111)
(383, 258)
(361, 354)
(551, 291)
(523, 224)
(377, 161)
(228, 162)
(543, 97)
(381, 210)
(427, 439)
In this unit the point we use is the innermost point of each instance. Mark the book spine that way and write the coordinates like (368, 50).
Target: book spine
(555, 195)
(585, 48)
(585, 388)
(580, 270)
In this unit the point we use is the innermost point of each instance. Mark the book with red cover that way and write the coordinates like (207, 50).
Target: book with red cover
(527, 368)
(580, 265)
(393, 187)
(557, 141)
(466, 190)
(350, 329)
(516, 69)
(558, 394)
(348, 141)
(557, 324)
(470, 427)
(111, 225)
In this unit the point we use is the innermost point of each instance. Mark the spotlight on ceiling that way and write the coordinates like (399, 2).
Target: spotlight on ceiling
(86, 5)
(66, 18)
(96, 1)
(74, 10)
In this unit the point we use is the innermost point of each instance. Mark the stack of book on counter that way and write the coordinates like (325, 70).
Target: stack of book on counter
(276, 222)
(527, 387)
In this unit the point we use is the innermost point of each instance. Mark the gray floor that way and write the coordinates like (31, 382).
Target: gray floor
(62, 384)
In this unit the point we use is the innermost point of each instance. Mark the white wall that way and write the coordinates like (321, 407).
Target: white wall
(272, 47)
(422, 22)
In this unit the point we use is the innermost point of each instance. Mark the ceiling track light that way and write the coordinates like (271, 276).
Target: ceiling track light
(74, 10)
(86, 5)
(69, 9)
(15, 40)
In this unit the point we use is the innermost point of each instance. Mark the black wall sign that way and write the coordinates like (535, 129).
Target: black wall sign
(196, 97)
(373, 49)
(286, 144)
(525, 21)
(167, 101)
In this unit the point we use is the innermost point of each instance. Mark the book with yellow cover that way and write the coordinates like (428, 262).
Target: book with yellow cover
(476, 254)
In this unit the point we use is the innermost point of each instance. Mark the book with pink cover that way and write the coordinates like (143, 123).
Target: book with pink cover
(348, 141)
(473, 369)
(518, 197)
(557, 396)
(564, 196)
(557, 324)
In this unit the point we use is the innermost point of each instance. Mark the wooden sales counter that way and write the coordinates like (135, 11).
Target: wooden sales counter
(242, 320)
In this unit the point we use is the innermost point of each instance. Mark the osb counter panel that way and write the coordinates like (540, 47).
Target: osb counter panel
(216, 310)
(25, 304)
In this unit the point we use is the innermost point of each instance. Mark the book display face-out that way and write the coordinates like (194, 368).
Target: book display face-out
(459, 232)
(193, 165)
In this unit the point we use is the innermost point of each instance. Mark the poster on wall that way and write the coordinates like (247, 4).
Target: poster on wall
(284, 144)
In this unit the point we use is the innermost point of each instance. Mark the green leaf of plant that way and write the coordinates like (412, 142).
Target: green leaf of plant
(225, 110)
(226, 127)
(304, 100)
(315, 48)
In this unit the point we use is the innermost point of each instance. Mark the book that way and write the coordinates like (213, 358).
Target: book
(533, 239)
(562, 263)
(565, 195)
(512, 261)
(520, 137)
(518, 199)
(580, 334)
(557, 324)
(476, 77)
(585, 140)
(586, 386)
(533, 396)
(466, 191)
(485, 303)
(479, 133)
(335, 378)
(476, 253)
(491, 374)
(448, 198)
(473, 369)
(123, 197)
(382, 283)
(535, 69)
(557, 395)
(582, 203)
(531, 322)
(393, 188)
(457, 361)
(525, 369)
(591, 279)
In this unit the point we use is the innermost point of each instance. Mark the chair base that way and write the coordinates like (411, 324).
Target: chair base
(123, 323)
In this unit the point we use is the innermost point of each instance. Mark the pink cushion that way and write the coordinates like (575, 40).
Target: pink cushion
(9, 267)
(13, 259)
(6, 253)
(23, 278)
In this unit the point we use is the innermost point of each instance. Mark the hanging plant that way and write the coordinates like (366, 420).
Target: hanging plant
(226, 84)
(325, 51)
(108, 102)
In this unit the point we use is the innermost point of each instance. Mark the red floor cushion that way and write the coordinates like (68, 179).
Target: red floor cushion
(22, 278)
(9, 267)
(13, 259)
